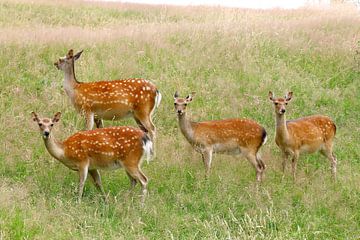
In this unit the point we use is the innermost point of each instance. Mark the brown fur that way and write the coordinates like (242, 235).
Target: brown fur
(303, 135)
(103, 148)
(110, 100)
(233, 136)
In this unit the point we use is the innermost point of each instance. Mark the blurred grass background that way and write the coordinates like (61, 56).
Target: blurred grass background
(231, 58)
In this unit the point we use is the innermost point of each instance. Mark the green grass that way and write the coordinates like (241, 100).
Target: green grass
(231, 59)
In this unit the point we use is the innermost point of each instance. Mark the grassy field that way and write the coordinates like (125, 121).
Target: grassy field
(231, 58)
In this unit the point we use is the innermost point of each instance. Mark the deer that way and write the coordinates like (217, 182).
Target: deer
(303, 135)
(110, 100)
(89, 151)
(228, 136)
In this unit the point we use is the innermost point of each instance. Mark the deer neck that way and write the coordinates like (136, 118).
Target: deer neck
(70, 81)
(186, 127)
(55, 148)
(282, 132)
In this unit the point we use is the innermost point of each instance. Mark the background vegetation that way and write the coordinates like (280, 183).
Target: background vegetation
(231, 58)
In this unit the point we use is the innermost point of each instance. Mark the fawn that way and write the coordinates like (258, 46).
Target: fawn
(303, 135)
(232, 136)
(110, 100)
(102, 148)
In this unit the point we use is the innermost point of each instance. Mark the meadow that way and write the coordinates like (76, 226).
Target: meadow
(231, 58)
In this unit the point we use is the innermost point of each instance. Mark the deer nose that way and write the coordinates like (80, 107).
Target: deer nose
(179, 111)
(282, 110)
(46, 133)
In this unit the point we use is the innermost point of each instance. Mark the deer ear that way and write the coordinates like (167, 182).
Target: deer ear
(70, 54)
(271, 96)
(288, 96)
(77, 56)
(189, 98)
(176, 95)
(34, 117)
(57, 117)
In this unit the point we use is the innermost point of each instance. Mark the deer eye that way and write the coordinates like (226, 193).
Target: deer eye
(276, 103)
(286, 103)
(52, 125)
(40, 124)
(185, 104)
(175, 104)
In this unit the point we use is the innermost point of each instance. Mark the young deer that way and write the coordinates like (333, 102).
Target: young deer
(232, 136)
(103, 148)
(308, 134)
(110, 100)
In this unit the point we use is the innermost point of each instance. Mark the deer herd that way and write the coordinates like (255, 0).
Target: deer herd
(89, 151)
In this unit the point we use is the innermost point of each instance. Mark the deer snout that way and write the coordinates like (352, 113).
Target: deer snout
(282, 111)
(46, 134)
(180, 112)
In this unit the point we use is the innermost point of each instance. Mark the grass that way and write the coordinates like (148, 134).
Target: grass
(231, 58)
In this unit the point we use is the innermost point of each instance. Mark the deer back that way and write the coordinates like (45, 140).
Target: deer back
(116, 96)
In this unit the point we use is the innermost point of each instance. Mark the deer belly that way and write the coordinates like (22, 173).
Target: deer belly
(113, 165)
(231, 149)
(113, 114)
(307, 148)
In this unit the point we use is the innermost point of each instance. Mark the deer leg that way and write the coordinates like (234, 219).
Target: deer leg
(99, 122)
(328, 152)
(207, 158)
(141, 178)
(82, 178)
(97, 181)
(294, 164)
(285, 158)
(89, 117)
(252, 159)
(145, 123)
(132, 181)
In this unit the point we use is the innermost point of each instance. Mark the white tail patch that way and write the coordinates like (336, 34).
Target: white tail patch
(148, 149)
(158, 98)
(265, 140)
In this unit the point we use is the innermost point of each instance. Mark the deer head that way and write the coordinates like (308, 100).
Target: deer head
(67, 62)
(46, 124)
(280, 103)
(181, 103)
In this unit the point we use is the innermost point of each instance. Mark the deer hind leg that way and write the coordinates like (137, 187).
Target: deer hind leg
(97, 181)
(328, 152)
(132, 181)
(145, 123)
(89, 118)
(137, 174)
(251, 157)
(207, 159)
(261, 164)
(99, 122)
(83, 171)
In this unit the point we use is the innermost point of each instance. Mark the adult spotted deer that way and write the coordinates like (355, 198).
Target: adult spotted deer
(110, 100)
(303, 135)
(103, 148)
(232, 136)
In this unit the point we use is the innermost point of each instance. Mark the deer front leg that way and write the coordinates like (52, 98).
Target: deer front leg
(207, 158)
(294, 164)
(82, 178)
(285, 159)
(89, 118)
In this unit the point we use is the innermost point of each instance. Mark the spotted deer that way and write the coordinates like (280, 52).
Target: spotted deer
(303, 135)
(231, 136)
(102, 148)
(110, 100)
